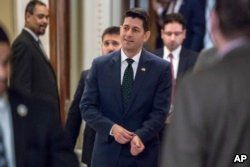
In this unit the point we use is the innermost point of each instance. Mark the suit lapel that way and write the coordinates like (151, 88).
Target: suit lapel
(36, 44)
(115, 72)
(182, 63)
(41, 54)
(141, 72)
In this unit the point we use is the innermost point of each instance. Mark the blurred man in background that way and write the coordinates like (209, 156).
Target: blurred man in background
(211, 125)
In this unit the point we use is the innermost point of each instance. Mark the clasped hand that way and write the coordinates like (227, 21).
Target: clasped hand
(124, 136)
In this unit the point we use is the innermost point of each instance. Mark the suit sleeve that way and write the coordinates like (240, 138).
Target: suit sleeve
(161, 104)
(74, 119)
(185, 140)
(90, 105)
(21, 75)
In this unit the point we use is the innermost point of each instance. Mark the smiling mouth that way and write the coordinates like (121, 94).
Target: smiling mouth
(129, 41)
(43, 27)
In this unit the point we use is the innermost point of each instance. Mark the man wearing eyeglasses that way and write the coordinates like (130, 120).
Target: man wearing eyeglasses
(181, 59)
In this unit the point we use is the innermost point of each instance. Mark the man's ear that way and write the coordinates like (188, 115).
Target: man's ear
(27, 16)
(215, 29)
(146, 36)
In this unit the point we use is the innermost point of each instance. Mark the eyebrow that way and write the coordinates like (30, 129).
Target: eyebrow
(132, 26)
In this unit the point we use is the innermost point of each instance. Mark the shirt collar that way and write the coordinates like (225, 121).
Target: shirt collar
(231, 46)
(31, 33)
(3, 100)
(175, 53)
(135, 58)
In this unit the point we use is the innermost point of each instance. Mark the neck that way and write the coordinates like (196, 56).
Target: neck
(131, 53)
(31, 31)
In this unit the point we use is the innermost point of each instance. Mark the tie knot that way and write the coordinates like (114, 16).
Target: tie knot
(130, 61)
(170, 55)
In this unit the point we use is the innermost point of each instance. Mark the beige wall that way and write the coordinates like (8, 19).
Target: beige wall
(7, 16)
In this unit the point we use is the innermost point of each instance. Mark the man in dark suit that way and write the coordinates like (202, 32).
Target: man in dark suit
(193, 12)
(127, 98)
(211, 125)
(30, 131)
(173, 33)
(32, 72)
(181, 59)
(110, 42)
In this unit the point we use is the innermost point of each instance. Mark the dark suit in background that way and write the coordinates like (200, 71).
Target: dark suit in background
(74, 122)
(101, 106)
(193, 12)
(38, 137)
(32, 73)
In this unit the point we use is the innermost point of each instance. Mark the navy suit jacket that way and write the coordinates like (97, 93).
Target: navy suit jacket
(38, 137)
(193, 12)
(101, 107)
(186, 62)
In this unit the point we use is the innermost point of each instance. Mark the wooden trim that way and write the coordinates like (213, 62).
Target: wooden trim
(60, 48)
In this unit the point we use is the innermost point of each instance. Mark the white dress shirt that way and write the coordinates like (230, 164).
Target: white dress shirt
(176, 58)
(7, 129)
(124, 63)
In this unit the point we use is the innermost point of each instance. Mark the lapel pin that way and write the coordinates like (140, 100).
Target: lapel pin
(22, 110)
(143, 69)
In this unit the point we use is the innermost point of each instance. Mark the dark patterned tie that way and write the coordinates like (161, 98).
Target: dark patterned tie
(127, 83)
(3, 160)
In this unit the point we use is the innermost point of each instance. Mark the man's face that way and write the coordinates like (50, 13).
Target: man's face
(4, 66)
(133, 35)
(173, 35)
(110, 43)
(38, 21)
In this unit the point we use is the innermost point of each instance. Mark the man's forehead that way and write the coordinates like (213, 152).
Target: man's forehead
(109, 37)
(41, 9)
(131, 21)
(173, 26)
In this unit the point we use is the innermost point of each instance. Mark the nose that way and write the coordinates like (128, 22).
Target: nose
(111, 48)
(172, 37)
(46, 20)
(129, 32)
